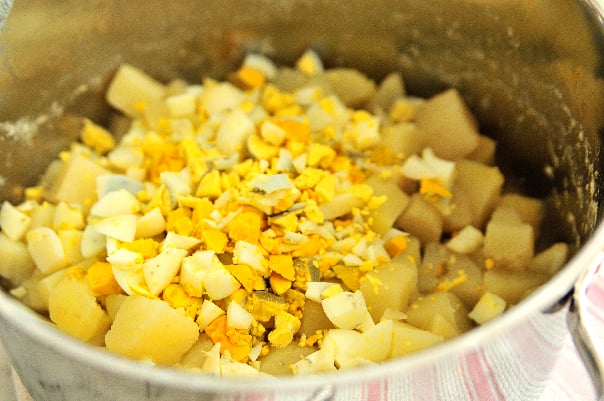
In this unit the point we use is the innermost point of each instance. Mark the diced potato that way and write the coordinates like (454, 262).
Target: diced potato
(512, 285)
(75, 310)
(390, 89)
(375, 343)
(43, 215)
(425, 309)
(482, 184)
(17, 264)
(351, 86)
(113, 303)
(529, 209)
(385, 215)
(46, 249)
(403, 139)
(150, 328)
(433, 267)
(389, 286)
(290, 79)
(449, 127)
(421, 219)
(46, 285)
(279, 359)
(509, 245)
(75, 182)
(13, 221)
(464, 278)
(487, 308)
(550, 260)
(443, 327)
(412, 253)
(485, 151)
(407, 339)
(466, 240)
(71, 241)
(196, 355)
(461, 214)
(32, 296)
(132, 90)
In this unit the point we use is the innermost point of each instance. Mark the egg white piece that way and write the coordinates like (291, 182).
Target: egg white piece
(174, 240)
(208, 312)
(115, 203)
(150, 224)
(238, 317)
(161, 269)
(346, 310)
(121, 227)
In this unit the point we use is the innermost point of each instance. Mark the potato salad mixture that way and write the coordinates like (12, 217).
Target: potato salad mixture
(286, 220)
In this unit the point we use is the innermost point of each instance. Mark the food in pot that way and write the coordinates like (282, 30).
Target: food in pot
(283, 221)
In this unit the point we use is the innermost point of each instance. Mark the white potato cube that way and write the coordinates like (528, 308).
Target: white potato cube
(449, 127)
(17, 263)
(46, 249)
(488, 307)
(375, 343)
(131, 87)
(68, 217)
(14, 222)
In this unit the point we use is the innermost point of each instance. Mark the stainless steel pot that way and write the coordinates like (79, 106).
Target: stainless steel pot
(530, 69)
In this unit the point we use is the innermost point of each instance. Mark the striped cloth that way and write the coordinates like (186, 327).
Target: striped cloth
(493, 374)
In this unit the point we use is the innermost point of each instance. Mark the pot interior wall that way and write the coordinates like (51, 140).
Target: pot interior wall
(533, 82)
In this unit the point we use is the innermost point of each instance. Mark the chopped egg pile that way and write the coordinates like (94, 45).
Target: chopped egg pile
(283, 221)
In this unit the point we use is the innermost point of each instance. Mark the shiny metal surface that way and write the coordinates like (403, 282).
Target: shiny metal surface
(534, 83)
(584, 334)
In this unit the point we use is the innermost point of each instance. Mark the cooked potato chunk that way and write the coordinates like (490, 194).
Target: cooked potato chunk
(421, 219)
(482, 184)
(389, 286)
(132, 88)
(396, 201)
(427, 311)
(75, 182)
(149, 328)
(510, 245)
(74, 309)
(448, 126)
(487, 308)
(407, 339)
(512, 286)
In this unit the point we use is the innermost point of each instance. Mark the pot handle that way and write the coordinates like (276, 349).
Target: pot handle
(584, 335)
